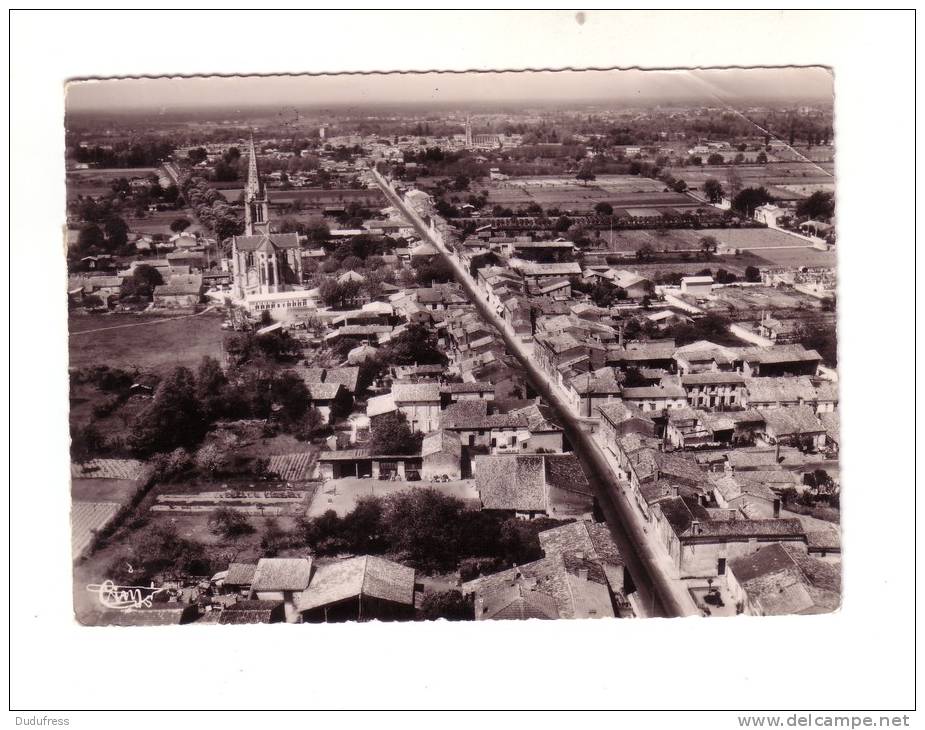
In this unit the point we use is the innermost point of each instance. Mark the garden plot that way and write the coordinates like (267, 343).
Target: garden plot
(269, 502)
(293, 467)
(87, 519)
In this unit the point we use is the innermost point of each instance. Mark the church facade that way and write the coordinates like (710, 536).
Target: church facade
(262, 262)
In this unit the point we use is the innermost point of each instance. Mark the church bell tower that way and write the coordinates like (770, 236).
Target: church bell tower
(256, 202)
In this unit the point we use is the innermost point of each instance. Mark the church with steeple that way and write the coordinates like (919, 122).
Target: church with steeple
(262, 262)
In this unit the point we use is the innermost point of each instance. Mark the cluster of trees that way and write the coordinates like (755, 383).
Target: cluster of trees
(139, 287)
(143, 153)
(712, 327)
(747, 199)
(391, 434)
(818, 206)
(185, 405)
(434, 271)
(212, 209)
(425, 528)
(110, 236)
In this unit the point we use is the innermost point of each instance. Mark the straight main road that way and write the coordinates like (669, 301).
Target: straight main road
(645, 558)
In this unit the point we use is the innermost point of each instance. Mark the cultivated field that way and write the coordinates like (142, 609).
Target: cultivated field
(88, 518)
(806, 177)
(146, 342)
(621, 192)
(99, 182)
(318, 197)
(795, 257)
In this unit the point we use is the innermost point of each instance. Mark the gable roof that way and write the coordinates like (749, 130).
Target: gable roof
(240, 574)
(415, 392)
(273, 240)
(365, 575)
(282, 574)
(781, 579)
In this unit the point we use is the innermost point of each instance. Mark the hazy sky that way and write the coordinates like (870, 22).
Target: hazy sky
(659, 86)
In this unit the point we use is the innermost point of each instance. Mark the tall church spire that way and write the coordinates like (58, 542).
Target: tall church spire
(256, 203)
(253, 176)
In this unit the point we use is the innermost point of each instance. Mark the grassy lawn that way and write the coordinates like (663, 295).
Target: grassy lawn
(156, 345)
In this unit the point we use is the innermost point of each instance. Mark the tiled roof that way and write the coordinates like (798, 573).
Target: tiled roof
(415, 393)
(464, 414)
(240, 574)
(323, 391)
(364, 575)
(796, 420)
(782, 580)
(346, 376)
(779, 354)
(441, 441)
(515, 601)
(564, 471)
(511, 482)
(282, 574)
(713, 378)
(780, 390)
(593, 539)
(252, 612)
(380, 404)
(276, 240)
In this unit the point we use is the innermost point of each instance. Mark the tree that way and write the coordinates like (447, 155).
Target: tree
(211, 459)
(818, 205)
(332, 292)
(144, 278)
(715, 159)
(86, 443)
(585, 175)
(762, 158)
(116, 233)
(645, 252)
(229, 523)
(90, 237)
(173, 418)
(489, 258)
(450, 605)
(821, 338)
(750, 198)
(178, 225)
(603, 208)
(391, 434)
(708, 244)
(423, 525)
(752, 274)
(679, 186)
(713, 189)
(416, 345)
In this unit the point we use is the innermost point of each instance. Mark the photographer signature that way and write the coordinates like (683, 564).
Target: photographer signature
(122, 597)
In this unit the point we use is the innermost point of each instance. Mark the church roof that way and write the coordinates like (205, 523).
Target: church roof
(275, 240)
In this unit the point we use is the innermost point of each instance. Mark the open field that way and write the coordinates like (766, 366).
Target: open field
(160, 221)
(795, 257)
(153, 343)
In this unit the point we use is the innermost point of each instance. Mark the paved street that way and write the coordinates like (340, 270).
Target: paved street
(646, 559)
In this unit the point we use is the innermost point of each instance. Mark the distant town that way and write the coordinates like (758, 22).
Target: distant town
(466, 364)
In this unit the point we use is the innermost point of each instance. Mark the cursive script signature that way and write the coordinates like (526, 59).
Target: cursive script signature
(121, 597)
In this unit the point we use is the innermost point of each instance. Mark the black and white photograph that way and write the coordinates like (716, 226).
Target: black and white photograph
(343, 351)
(461, 351)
